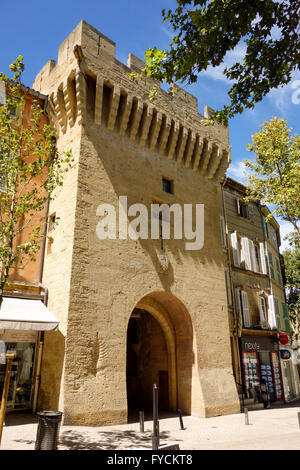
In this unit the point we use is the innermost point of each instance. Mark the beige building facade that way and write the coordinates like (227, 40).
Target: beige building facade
(133, 311)
(257, 308)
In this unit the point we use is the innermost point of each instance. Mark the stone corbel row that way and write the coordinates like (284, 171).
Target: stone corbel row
(142, 123)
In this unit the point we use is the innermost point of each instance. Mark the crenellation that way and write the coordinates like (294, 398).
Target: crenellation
(120, 103)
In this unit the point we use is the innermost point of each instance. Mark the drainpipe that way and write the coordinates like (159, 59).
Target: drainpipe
(235, 314)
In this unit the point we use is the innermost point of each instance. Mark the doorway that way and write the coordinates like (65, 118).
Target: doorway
(147, 362)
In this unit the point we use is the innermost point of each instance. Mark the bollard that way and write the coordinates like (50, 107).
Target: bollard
(246, 416)
(155, 435)
(48, 430)
(181, 420)
(299, 419)
(142, 421)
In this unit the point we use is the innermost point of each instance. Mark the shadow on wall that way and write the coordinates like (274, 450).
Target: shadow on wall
(52, 364)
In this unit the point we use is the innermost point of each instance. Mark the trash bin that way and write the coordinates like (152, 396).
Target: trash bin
(48, 430)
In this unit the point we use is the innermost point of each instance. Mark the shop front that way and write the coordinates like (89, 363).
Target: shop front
(261, 365)
(22, 323)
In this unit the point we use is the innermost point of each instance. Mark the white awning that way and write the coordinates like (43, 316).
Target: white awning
(26, 314)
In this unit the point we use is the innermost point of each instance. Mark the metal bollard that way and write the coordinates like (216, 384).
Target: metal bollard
(246, 416)
(155, 435)
(299, 419)
(181, 420)
(48, 430)
(142, 421)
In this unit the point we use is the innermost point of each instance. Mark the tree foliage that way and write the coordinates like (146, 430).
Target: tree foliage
(30, 170)
(275, 172)
(206, 30)
(292, 274)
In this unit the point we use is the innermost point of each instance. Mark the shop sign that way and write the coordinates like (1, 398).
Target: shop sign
(285, 354)
(256, 343)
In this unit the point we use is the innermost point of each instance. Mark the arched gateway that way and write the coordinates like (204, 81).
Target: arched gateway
(159, 350)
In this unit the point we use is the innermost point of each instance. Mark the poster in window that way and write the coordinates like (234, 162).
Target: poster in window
(251, 374)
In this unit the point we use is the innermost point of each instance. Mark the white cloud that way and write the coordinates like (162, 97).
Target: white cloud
(284, 97)
(216, 73)
(238, 171)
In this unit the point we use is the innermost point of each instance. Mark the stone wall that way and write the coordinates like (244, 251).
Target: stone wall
(123, 146)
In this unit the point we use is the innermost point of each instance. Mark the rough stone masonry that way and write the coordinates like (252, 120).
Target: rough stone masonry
(172, 300)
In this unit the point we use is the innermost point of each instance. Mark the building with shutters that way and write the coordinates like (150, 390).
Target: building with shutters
(256, 299)
(133, 312)
(24, 315)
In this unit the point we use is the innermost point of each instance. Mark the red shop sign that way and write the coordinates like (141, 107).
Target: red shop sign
(283, 338)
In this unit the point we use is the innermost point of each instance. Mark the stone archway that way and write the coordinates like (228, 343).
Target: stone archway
(168, 341)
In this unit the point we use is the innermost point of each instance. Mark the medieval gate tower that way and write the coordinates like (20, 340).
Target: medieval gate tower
(132, 312)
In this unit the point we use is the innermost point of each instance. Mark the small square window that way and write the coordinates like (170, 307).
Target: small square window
(167, 185)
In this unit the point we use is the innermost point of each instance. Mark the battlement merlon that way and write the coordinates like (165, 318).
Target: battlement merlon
(88, 79)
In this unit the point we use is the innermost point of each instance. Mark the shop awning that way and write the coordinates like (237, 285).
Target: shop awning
(26, 314)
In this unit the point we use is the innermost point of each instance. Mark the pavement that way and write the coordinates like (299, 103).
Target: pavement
(277, 428)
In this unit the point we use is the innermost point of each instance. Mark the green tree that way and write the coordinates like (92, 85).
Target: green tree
(30, 170)
(292, 273)
(205, 30)
(275, 172)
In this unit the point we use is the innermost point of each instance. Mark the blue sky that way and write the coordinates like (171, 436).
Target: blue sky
(35, 31)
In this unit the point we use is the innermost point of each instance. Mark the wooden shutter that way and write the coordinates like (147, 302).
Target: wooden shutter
(238, 205)
(246, 253)
(262, 310)
(263, 258)
(265, 225)
(245, 307)
(253, 256)
(286, 318)
(271, 314)
(278, 269)
(235, 249)
(277, 314)
(270, 257)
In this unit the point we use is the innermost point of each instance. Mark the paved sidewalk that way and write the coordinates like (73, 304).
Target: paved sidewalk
(276, 428)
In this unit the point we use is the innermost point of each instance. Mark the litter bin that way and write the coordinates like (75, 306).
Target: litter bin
(48, 430)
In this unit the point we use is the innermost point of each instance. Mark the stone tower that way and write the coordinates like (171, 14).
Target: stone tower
(133, 312)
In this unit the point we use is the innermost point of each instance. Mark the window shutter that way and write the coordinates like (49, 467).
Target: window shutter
(238, 205)
(271, 315)
(278, 268)
(271, 264)
(253, 256)
(265, 225)
(262, 310)
(246, 253)
(223, 232)
(245, 307)
(286, 318)
(263, 258)
(277, 314)
(235, 249)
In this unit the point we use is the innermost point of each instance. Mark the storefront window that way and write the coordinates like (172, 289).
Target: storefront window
(19, 394)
